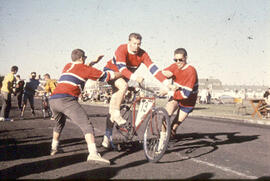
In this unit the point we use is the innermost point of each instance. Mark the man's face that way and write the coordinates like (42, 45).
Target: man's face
(134, 44)
(180, 60)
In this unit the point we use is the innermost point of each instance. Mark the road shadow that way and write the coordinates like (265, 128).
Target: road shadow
(14, 130)
(198, 144)
(36, 167)
(200, 108)
(104, 172)
(31, 147)
(264, 178)
(124, 148)
(201, 176)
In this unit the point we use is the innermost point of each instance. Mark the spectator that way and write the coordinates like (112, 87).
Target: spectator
(6, 91)
(203, 96)
(266, 96)
(19, 91)
(29, 92)
(209, 96)
(50, 84)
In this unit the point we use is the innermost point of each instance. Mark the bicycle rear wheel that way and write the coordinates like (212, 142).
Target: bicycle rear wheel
(156, 135)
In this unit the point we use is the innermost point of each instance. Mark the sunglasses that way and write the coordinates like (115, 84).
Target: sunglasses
(178, 60)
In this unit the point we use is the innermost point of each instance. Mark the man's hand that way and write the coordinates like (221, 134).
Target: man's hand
(167, 73)
(173, 87)
(95, 61)
(163, 92)
(98, 58)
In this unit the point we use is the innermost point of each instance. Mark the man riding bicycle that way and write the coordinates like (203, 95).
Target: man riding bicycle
(127, 59)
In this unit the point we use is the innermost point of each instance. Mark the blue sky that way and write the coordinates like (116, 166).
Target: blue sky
(228, 40)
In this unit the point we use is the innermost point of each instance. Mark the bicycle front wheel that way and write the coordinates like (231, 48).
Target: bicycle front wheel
(156, 135)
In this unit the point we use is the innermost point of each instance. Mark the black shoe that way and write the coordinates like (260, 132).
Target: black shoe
(173, 135)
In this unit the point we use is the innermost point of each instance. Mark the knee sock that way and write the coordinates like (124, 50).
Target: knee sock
(92, 149)
(55, 144)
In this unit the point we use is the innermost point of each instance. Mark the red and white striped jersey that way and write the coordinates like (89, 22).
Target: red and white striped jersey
(73, 78)
(187, 81)
(127, 63)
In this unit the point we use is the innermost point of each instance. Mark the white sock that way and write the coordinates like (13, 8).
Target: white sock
(162, 135)
(55, 144)
(115, 113)
(92, 148)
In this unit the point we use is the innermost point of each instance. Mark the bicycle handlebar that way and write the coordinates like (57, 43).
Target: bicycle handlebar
(142, 86)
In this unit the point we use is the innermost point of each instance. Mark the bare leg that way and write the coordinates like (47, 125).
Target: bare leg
(181, 117)
(171, 106)
(116, 100)
(23, 109)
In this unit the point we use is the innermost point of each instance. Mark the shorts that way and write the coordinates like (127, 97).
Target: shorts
(186, 109)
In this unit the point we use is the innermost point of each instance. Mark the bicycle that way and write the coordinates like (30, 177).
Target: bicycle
(156, 119)
(45, 106)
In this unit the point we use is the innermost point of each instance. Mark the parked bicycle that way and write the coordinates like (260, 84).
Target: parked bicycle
(154, 117)
(45, 106)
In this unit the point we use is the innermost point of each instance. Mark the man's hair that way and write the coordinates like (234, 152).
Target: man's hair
(33, 73)
(47, 75)
(180, 51)
(135, 35)
(77, 54)
(14, 68)
(18, 76)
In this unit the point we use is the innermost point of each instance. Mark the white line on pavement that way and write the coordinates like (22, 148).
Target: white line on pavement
(225, 169)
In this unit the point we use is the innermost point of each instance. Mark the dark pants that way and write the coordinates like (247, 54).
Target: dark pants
(68, 107)
(19, 99)
(6, 104)
(30, 98)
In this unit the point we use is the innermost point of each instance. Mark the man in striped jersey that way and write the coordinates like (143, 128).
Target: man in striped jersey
(64, 101)
(183, 91)
(127, 59)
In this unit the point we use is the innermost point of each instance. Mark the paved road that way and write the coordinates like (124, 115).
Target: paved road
(206, 149)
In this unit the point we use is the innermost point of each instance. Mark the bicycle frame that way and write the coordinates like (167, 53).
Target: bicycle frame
(145, 111)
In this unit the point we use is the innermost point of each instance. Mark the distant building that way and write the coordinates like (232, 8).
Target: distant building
(215, 84)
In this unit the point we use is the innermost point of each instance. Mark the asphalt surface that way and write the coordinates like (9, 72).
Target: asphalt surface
(204, 149)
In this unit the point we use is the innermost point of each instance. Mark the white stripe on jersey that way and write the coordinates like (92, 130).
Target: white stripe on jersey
(67, 82)
(182, 93)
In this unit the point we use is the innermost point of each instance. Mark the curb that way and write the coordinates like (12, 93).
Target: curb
(250, 121)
